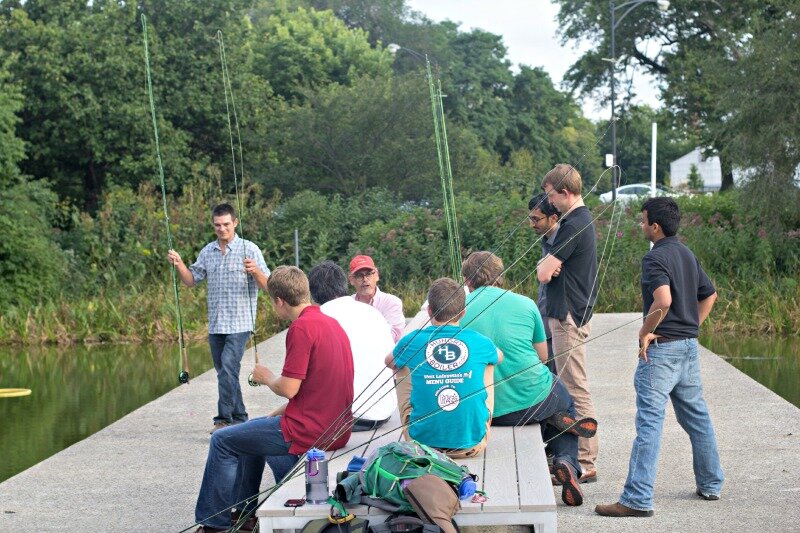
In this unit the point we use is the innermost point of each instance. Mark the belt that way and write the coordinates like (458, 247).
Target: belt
(664, 340)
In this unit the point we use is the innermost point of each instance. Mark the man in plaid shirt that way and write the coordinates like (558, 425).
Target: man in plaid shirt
(235, 270)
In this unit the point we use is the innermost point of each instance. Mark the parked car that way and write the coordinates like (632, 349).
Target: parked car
(627, 193)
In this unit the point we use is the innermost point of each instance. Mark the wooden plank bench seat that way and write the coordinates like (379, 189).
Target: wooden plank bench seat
(512, 471)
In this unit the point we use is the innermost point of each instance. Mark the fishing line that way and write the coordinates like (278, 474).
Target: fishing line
(183, 375)
(228, 90)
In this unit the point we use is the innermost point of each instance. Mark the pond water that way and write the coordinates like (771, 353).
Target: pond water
(77, 391)
(773, 362)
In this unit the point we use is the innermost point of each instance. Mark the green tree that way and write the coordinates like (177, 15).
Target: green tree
(377, 133)
(306, 49)
(12, 148)
(694, 180)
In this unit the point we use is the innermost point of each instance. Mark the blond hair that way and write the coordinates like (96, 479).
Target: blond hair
(482, 269)
(290, 284)
(446, 299)
(564, 177)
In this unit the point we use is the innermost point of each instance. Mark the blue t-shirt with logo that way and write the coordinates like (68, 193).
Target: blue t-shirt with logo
(448, 395)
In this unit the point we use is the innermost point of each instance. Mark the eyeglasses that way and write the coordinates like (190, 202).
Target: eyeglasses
(535, 219)
(364, 275)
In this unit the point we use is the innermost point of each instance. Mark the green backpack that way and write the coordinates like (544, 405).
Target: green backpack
(384, 472)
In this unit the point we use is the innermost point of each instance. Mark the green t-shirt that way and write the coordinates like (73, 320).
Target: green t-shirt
(513, 323)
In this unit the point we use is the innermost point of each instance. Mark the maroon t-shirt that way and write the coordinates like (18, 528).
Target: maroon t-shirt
(318, 352)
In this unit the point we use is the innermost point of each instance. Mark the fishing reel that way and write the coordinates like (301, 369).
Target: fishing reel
(251, 382)
(183, 377)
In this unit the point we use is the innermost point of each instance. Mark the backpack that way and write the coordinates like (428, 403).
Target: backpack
(385, 473)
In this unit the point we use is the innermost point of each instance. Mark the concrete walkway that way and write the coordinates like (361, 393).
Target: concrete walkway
(143, 472)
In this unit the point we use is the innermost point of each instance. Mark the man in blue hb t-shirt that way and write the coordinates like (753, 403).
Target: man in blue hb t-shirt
(445, 377)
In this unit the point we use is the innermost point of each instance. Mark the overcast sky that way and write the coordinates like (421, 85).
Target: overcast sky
(528, 28)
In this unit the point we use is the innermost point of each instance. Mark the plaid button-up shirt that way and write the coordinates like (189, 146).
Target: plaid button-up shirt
(232, 293)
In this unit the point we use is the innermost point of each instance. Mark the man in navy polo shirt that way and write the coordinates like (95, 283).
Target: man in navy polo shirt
(678, 296)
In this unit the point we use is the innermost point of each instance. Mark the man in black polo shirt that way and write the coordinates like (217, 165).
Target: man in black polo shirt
(677, 296)
(570, 272)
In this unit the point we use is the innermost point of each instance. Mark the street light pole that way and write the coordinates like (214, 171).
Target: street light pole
(663, 5)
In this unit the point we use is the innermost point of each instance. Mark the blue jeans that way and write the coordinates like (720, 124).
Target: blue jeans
(671, 372)
(227, 351)
(563, 445)
(235, 464)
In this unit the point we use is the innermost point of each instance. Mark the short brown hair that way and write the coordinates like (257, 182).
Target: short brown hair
(290, 284)
(482, 269)
(446, 299)
(562, 177)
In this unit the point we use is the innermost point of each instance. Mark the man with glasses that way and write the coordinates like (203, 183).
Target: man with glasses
(570, 272)
(364, 278)
(543, 218)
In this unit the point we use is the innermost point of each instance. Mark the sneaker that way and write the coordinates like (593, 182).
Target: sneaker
(570, 489)
(219, 425)
(707, 496)
(583, 427)
(619, 510)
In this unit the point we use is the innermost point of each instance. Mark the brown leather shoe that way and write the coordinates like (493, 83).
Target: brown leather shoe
(570, 490)
(588, 476)
(617, 509)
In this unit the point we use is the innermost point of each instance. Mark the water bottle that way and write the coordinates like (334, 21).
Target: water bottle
(316, 477)
(467, 487)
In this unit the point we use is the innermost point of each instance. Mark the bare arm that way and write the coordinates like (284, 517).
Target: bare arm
(488, 381)
(251, 267)
(280, 385)
(662, 300)
(183, 271)
(704, 307)
(548, 268)
(403, 389)
(541, 350)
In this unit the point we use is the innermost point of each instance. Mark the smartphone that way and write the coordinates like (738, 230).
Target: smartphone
(294, 503)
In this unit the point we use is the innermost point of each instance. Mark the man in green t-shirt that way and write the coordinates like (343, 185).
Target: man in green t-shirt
(525, 390)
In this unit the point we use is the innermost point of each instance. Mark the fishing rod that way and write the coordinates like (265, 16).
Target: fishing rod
(183, 374)
(228, 89)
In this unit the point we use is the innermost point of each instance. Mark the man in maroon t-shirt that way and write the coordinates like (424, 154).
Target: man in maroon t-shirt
(317, 379)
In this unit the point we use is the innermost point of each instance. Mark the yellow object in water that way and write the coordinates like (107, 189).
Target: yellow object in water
(13, 393)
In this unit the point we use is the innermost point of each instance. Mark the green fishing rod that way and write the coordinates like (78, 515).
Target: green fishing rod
(183, 375)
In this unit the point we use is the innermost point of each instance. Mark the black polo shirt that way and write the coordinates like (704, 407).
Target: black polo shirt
(574, 290)
(671, 263)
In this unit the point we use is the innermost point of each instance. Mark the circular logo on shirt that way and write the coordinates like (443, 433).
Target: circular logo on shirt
(448, 398)
(446, 354)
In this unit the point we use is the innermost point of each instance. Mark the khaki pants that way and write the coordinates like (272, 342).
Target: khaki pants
(571, 366)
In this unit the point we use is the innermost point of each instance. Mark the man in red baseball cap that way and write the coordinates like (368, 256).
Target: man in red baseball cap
(364, 278)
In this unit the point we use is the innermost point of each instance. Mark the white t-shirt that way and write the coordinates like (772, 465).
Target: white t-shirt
(370, 341)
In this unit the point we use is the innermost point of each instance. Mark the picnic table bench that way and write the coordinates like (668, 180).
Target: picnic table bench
(512, 471)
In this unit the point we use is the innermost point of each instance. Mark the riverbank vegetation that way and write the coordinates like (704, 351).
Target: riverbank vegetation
(338, 143)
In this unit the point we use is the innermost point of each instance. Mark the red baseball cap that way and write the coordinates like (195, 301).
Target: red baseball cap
(361, 262)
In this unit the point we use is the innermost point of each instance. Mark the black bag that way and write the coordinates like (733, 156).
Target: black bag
(406, 524)
(323, 525)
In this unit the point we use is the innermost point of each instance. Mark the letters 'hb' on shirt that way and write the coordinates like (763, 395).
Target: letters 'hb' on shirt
(513, 322)
(574, 290)
(370, 340)
(671, 263)
(448, 395)
(318, 353)
(232, 293)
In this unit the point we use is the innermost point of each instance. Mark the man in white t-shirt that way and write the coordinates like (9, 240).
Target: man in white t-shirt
(370, 340)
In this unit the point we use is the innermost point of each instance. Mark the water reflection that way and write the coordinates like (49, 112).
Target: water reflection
(77, 391)
(772, 361)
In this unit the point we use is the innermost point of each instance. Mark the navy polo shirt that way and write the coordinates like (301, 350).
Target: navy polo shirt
(574, 291)
(671, 263)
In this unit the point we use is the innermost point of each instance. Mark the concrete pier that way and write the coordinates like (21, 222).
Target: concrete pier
(143, 472)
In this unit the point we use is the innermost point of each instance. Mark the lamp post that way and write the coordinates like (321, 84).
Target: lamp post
(663, 5)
